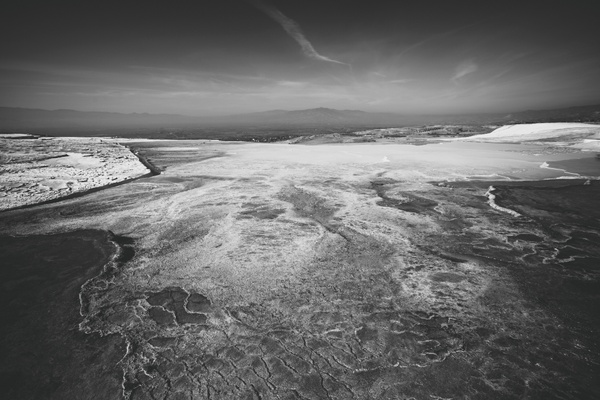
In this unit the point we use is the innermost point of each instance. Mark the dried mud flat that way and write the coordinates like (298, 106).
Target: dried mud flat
(341, 272)
(38, 169)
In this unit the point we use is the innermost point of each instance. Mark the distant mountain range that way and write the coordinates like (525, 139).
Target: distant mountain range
(35, 119)
(313, 116)
(95, 123)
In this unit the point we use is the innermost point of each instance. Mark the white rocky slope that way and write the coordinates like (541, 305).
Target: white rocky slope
(578, 135)
(41, 169)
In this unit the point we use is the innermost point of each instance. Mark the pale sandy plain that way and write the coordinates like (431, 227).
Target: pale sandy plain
(327, 272)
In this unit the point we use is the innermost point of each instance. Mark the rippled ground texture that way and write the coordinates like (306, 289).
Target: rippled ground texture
(43, 353)
(340, 272)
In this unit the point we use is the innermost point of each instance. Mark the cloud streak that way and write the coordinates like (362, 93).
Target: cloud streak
(465, 68)
(293, 29)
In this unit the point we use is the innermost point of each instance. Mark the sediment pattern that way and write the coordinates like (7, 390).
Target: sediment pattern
(269, 280)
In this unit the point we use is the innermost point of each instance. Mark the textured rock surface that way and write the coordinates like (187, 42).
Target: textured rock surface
(325, 272)
(34, 170)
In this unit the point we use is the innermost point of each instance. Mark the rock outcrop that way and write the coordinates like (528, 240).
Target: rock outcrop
(43, 169)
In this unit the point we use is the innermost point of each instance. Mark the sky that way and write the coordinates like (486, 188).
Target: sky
(219, 57)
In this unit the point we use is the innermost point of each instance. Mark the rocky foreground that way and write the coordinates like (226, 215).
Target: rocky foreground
(353, 271)
(39, 169)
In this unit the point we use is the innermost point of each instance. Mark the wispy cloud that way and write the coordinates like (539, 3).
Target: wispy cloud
(401, 81)
(293, 29)
(463, 69)
(292, 84)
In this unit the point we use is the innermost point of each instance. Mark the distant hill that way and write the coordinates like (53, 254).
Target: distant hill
(36, 119)
(327, 116)
(245, 126)
(314, 117)
(571, 114)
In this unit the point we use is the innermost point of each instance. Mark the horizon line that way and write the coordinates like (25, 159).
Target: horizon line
(596, 104)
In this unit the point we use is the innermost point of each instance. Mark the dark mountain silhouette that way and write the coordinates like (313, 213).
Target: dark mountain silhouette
(27, 118)
(328, 116)
(310, 117)
(71, 122)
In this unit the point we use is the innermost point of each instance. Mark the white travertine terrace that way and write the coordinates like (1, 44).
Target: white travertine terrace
(568, 134)
(41, 169)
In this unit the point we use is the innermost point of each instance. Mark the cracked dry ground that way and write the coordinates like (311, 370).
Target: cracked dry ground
(263, 282)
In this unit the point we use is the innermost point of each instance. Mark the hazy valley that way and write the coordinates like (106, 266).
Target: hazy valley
(274, 125)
